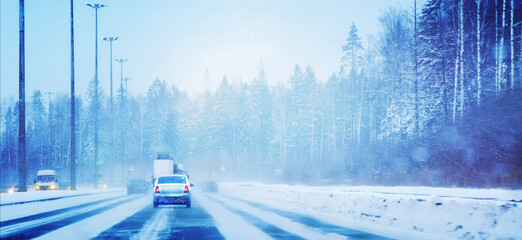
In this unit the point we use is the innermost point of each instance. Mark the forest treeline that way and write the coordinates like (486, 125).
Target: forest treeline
(433, 99)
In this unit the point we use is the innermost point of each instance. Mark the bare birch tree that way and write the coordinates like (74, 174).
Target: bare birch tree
(500, 61)
(479, 59)
(461, 58)
(512, 43)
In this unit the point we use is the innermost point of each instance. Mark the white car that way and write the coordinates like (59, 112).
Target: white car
(172, 189)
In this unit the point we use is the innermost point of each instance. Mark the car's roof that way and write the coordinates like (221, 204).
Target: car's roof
(46, 172)
(173, 175)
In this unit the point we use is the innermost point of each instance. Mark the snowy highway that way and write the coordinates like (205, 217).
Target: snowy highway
(111, 214)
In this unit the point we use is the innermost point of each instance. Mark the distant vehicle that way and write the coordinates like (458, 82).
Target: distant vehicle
(137, 186)
(172, 189)
(164, 165)
(46, 180)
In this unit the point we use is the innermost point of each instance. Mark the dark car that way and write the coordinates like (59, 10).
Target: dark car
(138, 186)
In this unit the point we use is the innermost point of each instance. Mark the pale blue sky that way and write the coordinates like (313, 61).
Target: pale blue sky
(177, 40)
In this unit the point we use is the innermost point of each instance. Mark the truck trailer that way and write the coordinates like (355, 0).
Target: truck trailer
(164, 165)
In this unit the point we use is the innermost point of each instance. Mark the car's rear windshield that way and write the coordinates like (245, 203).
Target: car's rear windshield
(172, 179)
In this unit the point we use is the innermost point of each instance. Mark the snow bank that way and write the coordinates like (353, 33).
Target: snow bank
(394, 211)
(32, 195)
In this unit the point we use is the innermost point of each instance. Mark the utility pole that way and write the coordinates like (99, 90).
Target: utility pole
(110, 40)
(22, 171)
(96, 103)
(126, 79)
(121, 61)
(49, 120)
(73, 111)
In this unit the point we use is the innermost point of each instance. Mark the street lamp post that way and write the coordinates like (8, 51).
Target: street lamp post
(126, 79)
(96, 6)
(73, 111)
(121, 61)
(110, 40)
(22, 168)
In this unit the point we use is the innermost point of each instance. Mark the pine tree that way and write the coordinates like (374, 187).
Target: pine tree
(9, 140)
(36, 131)
(396, 49)
(352, 48)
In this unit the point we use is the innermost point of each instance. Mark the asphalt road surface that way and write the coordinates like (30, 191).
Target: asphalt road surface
(169, 221)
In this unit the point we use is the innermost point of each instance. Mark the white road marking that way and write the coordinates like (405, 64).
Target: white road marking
(93, 226)
(231, 226)
(284, 223)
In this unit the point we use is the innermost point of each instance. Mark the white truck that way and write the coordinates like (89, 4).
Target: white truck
(46, 180)
(164, 165)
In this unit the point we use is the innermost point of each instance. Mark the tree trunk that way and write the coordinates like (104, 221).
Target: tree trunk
(497, 56)
(512, 43)
(415, 81)
(461, 58)
(500, 66)
(443, 61)
(479, 83)
(312, 142)
(333, 119)
(455, 84)
(321, 160)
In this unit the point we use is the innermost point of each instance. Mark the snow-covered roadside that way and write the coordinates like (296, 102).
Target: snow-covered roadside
(32, 195)
(394, 211)
(23, 210)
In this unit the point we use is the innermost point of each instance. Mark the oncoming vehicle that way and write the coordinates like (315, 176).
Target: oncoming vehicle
(46, 180)
(172, 189)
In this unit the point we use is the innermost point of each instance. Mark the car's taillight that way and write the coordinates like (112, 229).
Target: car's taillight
(156, 190)
(186, 189)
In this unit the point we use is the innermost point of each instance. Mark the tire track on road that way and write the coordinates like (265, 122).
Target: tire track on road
(32, 231)
(190, 223)
(271, 230)
(165, 222)
(50, 213)
(313, 222)
(141, 223)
